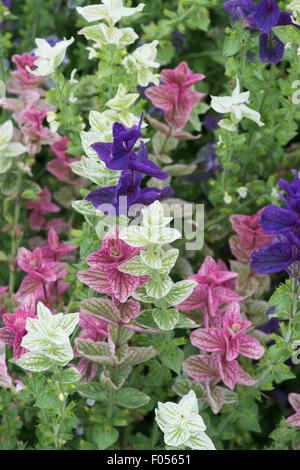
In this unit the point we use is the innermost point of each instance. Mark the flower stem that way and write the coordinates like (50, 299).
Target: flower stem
(15, 235)
(153, 435)
(293, 312)
(260, 107)
(227, 163)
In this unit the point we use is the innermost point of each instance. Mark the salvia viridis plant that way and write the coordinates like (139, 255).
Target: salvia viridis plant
(150, 225)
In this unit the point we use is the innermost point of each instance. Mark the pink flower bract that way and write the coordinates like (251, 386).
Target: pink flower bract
(250, 236)
(15, 325)
(103, 275)
(214, 288)
(294, 399)
(175, 97)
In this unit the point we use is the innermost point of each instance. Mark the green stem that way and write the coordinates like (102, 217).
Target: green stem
(126, 436)
(225, 216)
(225, 422)
(162, 150)
(293, 312)
(260, 107)
(61, 412)
(36, 19)
(227, 163)
(153, 435)
(243, 62)
(15, 236)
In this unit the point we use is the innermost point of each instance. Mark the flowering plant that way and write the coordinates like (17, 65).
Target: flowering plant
(146, 186)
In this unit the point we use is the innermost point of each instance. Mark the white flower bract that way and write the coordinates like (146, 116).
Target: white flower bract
(236, 105)
(8, 149)
(48, 337)
(141, 61)
(110, 10)
(182, 425)
(49, 58)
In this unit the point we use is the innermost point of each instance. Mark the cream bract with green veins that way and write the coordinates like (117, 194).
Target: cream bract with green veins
(49, 58)
(102, 34)
(294, 6)
(8, 149)
(153, 230)
(156, 262)
(110, 11)
(47, 339)
(236, 106)
(182, 425)
(141, 61)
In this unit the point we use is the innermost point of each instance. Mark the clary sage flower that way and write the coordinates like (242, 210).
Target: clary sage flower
(141, 61)
(111, 11)
(295, 7)
(8, 149)
(49, 58)
(47, 339)
(182, 425)
(236, 105)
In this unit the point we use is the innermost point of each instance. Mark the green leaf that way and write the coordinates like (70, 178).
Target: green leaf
(48, 399)
(105, 435)
(232, 45)
(287, 34)
(88, 246)
(166, 319)
(282, 299)
(248, 419)
(67, 376)
(172, 357)
(131, 398)
(282, 372)
(92, 390)
(8, 182)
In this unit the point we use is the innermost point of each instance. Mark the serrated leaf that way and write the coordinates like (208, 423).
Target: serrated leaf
(165, 319)
(67, 376)
(172, 357)
(131, 398)
(105, 435)
(48, 399)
